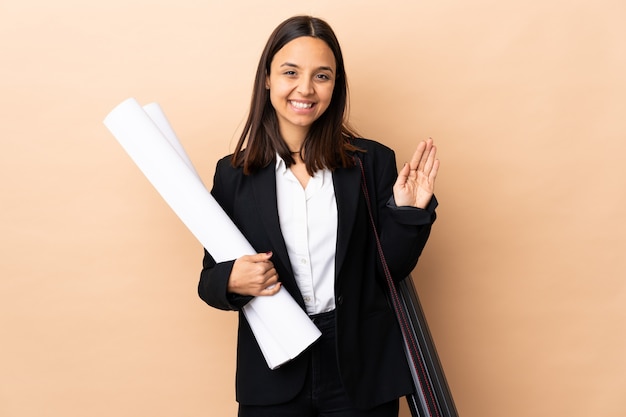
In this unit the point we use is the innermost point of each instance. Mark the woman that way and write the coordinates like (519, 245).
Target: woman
(294, 192)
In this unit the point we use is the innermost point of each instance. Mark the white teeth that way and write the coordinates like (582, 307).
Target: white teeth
(301, 105)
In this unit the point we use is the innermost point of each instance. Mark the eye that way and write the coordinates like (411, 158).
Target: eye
(324, 77)
(290, 73)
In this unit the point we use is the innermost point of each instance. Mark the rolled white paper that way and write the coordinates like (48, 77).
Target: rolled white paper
(154, 111)
(282, 329)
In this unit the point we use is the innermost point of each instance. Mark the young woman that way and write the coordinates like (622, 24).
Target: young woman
(294, 190)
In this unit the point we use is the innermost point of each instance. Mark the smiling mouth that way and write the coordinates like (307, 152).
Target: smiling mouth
(300, 105)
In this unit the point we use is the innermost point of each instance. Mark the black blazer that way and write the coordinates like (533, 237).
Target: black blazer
(370, 351)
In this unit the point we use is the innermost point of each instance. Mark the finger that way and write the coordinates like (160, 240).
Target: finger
(428, 144)
(264, 279)
(258, 257)
(403, 175)
(417, 155)
(433, 172)
(430, 160)
(270, 276)
(271, 290)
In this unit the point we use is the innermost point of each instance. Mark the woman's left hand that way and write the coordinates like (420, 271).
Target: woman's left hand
(416, 180)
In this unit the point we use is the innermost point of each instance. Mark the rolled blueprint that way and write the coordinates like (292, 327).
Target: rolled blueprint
(282, 329)
(154, 111)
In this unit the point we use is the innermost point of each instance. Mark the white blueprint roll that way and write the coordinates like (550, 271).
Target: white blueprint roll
(281, 327)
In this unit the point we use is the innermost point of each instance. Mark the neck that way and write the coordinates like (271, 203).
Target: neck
(294, 138)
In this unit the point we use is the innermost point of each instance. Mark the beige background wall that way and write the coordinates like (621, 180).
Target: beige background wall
(523, 281)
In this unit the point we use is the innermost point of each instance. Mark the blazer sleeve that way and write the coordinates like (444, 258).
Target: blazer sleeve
(213, 285)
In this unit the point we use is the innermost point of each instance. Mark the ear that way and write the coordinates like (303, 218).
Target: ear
(267, 81)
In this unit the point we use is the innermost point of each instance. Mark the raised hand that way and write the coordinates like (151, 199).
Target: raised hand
(416, 180)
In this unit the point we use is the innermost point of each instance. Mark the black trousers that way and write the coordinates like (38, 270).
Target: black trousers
(323, 394)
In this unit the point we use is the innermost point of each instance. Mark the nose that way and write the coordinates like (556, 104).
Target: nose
(305, 87)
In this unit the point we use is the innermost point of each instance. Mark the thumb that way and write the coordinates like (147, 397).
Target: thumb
(261, 257)
(403, 175)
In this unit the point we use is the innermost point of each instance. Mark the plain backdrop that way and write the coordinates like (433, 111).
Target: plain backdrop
(522, 282)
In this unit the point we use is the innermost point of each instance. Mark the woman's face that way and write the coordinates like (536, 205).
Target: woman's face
(301, 82)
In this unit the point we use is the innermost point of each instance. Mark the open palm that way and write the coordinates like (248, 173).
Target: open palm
(416, 180)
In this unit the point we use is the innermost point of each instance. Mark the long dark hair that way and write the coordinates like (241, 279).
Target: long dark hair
(327, 144)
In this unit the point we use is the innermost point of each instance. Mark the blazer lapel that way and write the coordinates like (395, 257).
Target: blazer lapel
(264, 190)
(347, 182)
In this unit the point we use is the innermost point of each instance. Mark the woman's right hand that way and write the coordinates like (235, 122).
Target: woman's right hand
(254, 275)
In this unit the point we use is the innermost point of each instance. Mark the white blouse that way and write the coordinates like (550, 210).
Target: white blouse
(308, 221)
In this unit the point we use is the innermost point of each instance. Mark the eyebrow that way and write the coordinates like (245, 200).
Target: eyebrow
(289, 64)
